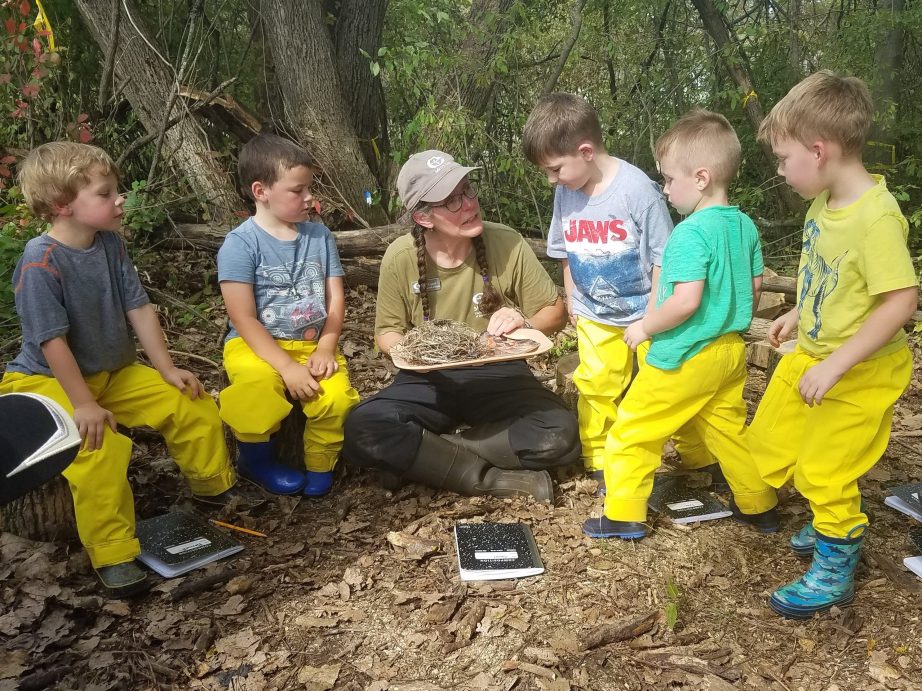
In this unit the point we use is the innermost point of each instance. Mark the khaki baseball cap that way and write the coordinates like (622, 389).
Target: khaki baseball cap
(429, 176)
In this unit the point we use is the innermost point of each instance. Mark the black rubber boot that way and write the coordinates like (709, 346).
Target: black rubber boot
(765, 522)
(441, 464)
(490, 441)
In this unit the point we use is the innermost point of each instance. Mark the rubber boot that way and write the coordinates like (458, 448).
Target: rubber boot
(605, 527)
(441, 464)
(319, 483)
(490, 441)
(829, 581)
(256, 462)
(804, 540)
(765, 522)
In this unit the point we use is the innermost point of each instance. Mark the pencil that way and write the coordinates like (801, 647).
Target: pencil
(237, 527)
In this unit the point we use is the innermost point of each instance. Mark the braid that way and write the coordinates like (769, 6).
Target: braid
(420, 243)
(491, 300)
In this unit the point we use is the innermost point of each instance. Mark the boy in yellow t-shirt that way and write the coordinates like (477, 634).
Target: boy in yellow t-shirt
(825, 418)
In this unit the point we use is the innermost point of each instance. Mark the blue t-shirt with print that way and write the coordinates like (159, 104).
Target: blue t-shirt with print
(611, 241)
(288, 276)
(720, 246)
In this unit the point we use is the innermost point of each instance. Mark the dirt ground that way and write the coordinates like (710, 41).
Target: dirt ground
(360, 590)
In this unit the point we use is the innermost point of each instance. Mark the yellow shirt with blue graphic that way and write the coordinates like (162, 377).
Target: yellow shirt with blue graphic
(849, 257)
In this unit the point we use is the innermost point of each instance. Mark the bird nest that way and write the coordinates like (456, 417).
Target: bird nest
(440, 341)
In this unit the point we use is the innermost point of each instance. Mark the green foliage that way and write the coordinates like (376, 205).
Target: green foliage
(673, 601)
(17, 226)
(565, 344)
(143, 212)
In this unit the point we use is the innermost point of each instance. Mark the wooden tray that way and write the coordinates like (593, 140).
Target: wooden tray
(544, 345)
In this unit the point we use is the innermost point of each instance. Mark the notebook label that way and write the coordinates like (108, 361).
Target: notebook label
(197, 543)
(685, 505)
(496, 556)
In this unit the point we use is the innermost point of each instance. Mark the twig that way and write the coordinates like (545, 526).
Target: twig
(177, 302)
(201, 584)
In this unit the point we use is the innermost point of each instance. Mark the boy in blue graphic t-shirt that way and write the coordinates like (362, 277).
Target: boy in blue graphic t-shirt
(608, 230)
(282, 283)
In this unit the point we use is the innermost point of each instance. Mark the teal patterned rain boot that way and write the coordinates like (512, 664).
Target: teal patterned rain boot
(829, 581)
(803, 541)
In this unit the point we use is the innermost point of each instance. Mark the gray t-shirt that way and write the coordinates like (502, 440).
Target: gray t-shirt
(288, 276)
(80, 294)
(612, 241)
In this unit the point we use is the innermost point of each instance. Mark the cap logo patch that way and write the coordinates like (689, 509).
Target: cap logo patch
(435, 161)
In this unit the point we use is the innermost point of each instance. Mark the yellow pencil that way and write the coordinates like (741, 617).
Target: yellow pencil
(237, 527)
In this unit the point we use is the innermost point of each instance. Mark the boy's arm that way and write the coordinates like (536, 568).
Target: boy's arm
(568, 287)
(654, 287)
(90, 417)
(895, 309)
(147, 329)
(241, 310)
(322, 362)
(677, 308)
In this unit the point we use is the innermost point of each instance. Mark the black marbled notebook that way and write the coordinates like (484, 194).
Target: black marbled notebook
(178, 542)
(491, 551)
(906, 498)
(684, 504)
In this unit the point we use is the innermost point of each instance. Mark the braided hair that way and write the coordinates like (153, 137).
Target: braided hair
(490, 300)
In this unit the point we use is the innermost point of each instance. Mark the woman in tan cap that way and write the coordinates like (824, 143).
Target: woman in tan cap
(454, 265)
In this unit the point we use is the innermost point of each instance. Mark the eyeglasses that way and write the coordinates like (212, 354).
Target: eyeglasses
(454, 202)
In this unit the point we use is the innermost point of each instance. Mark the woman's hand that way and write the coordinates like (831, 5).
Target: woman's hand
(505, 320)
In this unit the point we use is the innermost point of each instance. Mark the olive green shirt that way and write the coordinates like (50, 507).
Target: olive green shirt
(515, 273)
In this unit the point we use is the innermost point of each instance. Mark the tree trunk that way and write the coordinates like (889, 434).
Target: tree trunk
(734, 62)
(359, 24)
(576, 19)
(489, 22)
(314, 104)
(149, 84)
(44, 514)
(887, 87)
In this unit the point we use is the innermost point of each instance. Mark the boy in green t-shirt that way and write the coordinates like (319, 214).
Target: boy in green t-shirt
(696, 366)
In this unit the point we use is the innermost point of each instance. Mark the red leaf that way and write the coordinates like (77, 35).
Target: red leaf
(316, 206)
(242, 214)
(36, 47)
(83, 117)
(10, 26)
(5, 78)
(38, 72)
(24, 8)
(84, 135)
(31, 90)
(5, 172)
(6, 160)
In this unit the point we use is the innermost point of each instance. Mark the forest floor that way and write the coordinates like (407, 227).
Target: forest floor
(360, 589)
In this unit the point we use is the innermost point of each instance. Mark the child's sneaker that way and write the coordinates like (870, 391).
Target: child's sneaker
(605, 527)
(241, 496)
(123, 580)
(765, 522)
(318, 483)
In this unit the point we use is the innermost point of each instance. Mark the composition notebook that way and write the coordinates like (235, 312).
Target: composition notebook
(178, 542)
(683, 504)
(491, 551)
(906, 498)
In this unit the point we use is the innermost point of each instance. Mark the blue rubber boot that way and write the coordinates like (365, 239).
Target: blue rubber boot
(256, 462)
(829, 581)
(318, 483)
(803, 541)
(605, 527)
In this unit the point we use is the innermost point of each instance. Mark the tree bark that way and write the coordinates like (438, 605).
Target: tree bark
(149, 84)
(359, 25)
(314, 104)
(44, 514)
(734, 62)
(489, 22)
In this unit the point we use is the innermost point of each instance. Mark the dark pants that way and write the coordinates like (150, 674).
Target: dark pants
(385, 430)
